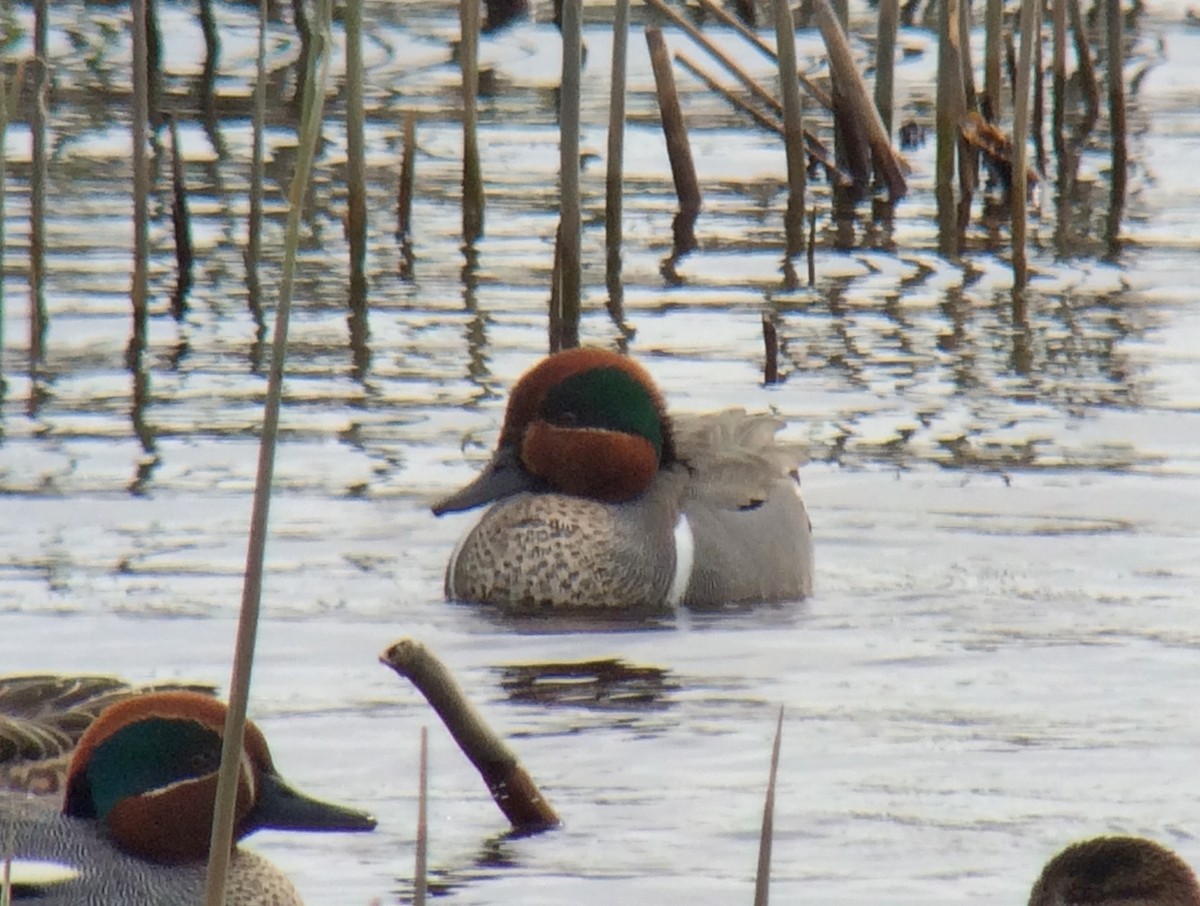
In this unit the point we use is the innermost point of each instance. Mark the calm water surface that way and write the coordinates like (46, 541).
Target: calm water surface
(1002, 652)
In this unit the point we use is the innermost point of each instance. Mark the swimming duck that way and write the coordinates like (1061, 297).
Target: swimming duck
(601, 500)
(135, 818)
(1116, 871)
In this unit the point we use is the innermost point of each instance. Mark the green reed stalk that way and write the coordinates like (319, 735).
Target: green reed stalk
(313, 102)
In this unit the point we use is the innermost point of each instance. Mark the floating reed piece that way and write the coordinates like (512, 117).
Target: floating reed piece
(860, 116)
(473, 202)
(221, 843)
(762, 877)
(356, 170)
(1030, 12)
(679, 150)
(506, 779)
(141, 182)
(793, 128)
(570, 270)
(182, 228)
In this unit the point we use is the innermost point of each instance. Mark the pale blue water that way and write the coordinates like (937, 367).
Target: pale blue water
(1001, 656)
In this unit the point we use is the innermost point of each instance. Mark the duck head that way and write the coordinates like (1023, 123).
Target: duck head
(586, 422)
(147, 770)
(1111, 871)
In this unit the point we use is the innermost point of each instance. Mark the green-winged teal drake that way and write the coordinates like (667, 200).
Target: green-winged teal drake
(1116, 871)
(601, 500)
(135, 815)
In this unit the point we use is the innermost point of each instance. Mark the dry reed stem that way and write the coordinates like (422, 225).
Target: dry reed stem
(181, 228)
(1030, 11)
(507, 780)
(356, 180)
(793, 128)
(1087, 68)
(421, 868)
(762, 877)
(850, 82)
(770, 350)
(221, 844)
(254, 225)
(1116, 122)
(473, 198)
(993, 43)
(679, 150)
(570, 273)
(614, 181)
(37, 186)
(885, 61)
(951, 106)
(141, 181)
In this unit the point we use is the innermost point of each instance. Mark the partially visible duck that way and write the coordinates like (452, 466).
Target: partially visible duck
(43, 716)
(1116, 871)
(135, 818)
(601, 500)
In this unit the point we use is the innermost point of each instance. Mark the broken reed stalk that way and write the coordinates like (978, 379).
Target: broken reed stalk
(37, 185)
(814, 90)
(221, 844)
(181, 228)
(254, 225)
(993, 89)
(356, 171)
(951, 107)
(468, 50)
(1116, 122)
(885, 62)
(679, 150)
(421, 868)
(793, 127)
(1030, 11)
(570, 274)
(770, 350)
(614, 181)
(141, 182)
(507, 780)
(762, 877)
(850, 82)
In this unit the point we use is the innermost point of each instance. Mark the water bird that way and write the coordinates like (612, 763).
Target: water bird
(600, 499)
(136, 809)
(1116, 871)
